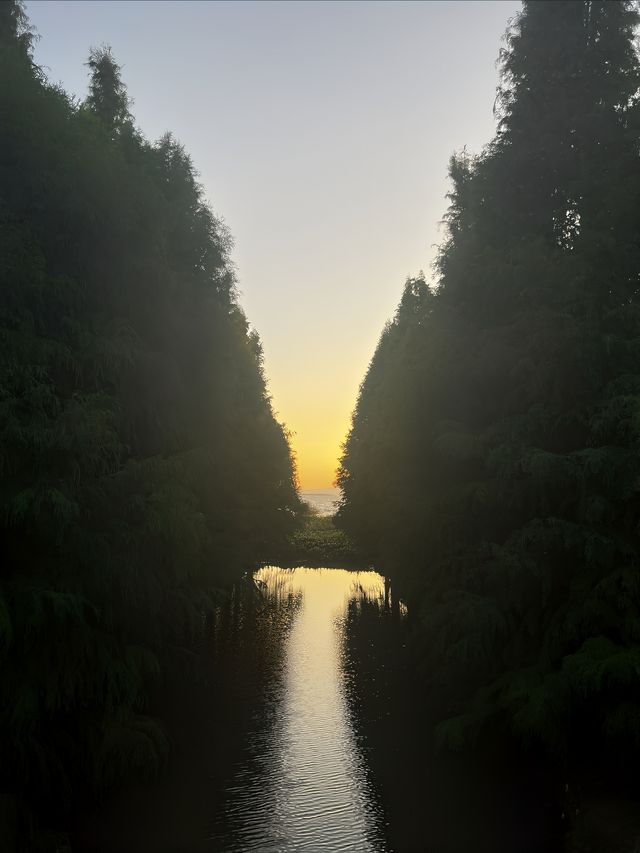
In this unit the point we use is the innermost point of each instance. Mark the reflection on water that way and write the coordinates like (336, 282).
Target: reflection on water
(268, 756)
(323, 501)
(302, 782)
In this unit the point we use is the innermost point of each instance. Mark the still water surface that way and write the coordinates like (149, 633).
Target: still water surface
(323, 501)
(306, 732)
(302, 781)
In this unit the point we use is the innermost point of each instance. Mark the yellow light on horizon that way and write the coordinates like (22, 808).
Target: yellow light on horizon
(317, 447)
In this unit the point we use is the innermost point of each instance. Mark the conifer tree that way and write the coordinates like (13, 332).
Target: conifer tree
(107, 96)
(14, 26)
(516, 529)
(142, 466)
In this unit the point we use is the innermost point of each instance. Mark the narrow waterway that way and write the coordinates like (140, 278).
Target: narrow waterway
(302, 781)
(304, 730)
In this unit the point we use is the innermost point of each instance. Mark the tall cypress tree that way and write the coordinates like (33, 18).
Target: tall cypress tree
(107, 96)
(142, 466)
(14, 27)
(519, 534)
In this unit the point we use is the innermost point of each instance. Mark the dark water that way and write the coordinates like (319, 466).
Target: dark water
(305, 730)
(302, 781)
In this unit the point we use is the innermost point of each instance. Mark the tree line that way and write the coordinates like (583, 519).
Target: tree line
(142, 466)
(493, 467)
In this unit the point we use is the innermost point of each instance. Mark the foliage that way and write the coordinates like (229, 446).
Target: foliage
(493, 464)
(107, 96)
(142, 467)
(318, 542)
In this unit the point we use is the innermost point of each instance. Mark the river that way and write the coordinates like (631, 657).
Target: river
(302, 780)
(307, 733)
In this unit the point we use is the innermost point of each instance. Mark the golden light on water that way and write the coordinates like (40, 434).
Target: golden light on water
(318, 790)
(324, 590)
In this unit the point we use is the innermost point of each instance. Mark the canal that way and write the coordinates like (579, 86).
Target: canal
(306, 732)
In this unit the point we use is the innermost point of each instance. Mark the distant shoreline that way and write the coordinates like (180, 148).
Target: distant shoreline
(323, 501)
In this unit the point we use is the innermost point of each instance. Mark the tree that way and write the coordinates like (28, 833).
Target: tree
(515, 526)
(107, 96)
(142, 466)
(14, 27)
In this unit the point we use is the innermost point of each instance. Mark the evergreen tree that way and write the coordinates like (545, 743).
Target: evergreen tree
(505, 492)
(107, 93)
(142, 466)
(15, 31)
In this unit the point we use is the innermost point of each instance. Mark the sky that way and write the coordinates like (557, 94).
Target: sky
(322, 133)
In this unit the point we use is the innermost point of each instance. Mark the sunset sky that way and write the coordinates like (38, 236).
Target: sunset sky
(322, 133)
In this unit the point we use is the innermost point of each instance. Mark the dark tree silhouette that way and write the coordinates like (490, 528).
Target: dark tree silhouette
(142, 466)
(492, 466)
(107, 93)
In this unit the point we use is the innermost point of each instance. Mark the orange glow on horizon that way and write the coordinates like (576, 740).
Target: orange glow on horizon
(317, 448)
(316, 462)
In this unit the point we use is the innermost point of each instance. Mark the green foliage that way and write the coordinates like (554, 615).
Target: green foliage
(493, 465)
(141, 465)
(15, 32)
(107, 97)
(318, 542)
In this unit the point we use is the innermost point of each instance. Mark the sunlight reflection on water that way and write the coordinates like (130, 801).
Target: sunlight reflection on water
(303, 782)
(323, 501)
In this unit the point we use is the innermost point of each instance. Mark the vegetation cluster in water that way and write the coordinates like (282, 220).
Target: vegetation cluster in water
(318, 542)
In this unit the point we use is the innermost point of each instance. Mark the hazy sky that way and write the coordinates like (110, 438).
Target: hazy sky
(322, 133)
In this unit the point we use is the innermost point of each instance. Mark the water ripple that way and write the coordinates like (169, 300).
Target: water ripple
(302, 783)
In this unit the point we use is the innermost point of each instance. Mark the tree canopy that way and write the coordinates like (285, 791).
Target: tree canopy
(492, 465)
(142, 466)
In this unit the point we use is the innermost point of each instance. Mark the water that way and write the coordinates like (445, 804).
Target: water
(306, 730)
(324, 501)
(302, 782)
(334, 754)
